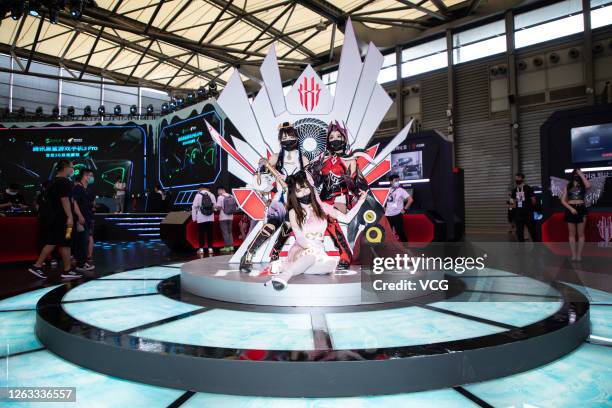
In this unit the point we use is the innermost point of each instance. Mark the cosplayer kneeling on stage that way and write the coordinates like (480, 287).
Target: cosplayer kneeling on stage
(285, 163)
(309, 220)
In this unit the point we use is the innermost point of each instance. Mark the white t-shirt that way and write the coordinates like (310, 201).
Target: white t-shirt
(395, 201)
(222, 215)
(196, 214)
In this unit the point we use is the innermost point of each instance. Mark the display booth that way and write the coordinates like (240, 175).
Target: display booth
(578, 138)
(423, 163)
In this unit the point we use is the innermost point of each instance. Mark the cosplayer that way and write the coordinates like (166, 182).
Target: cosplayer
(309, 219)
(280, 165)
(341, 182)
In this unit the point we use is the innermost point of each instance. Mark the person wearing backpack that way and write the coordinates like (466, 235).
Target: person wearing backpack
(227, 206)
(203, 213)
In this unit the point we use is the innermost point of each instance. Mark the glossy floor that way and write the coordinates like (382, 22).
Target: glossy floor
(581, 378)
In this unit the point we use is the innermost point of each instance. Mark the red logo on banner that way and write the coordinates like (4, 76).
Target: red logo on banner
(309, 95)
(604, 226)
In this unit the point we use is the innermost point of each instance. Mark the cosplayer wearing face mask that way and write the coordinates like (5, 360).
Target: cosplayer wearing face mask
(309, 220)
(341, 182)
(287, 161)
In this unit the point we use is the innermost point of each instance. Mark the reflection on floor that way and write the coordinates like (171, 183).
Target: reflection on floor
(580, 379)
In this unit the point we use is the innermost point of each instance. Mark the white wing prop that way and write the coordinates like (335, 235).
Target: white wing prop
(558, 186)
(593, 193)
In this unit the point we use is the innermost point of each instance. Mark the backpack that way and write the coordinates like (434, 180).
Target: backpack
(206, 206)
(230, 206)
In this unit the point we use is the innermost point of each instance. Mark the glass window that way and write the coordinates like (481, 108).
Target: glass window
(547, 23)
(330, 80)
(424, 57)
(548, 13)
(388, 71)
(488, 39)
(549, 31)
(601, 16)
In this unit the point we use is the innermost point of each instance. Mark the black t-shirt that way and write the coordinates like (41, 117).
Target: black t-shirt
(84, 199)
(522, 196)
(60, 187)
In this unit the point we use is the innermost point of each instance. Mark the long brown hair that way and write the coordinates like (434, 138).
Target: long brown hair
(293, 183)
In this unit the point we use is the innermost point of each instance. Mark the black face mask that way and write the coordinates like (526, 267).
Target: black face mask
(289, 144)
(518, 182)
(305, 200)
(337, 145)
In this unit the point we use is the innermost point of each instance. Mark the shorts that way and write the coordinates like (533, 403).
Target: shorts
(579, 218)
(53, 232)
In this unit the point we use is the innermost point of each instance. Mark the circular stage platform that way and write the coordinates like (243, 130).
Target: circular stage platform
(142, 326)
(214, 278)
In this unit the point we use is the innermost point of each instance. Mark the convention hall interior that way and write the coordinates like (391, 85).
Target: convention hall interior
(310, 203)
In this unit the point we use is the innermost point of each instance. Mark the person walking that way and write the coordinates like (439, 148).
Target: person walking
(203, 213)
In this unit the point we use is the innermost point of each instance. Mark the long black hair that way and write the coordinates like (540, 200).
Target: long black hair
(288, 129)
(575, 176)
(293, 183)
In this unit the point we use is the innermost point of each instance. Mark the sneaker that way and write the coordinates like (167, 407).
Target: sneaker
(85, 268)
(71, 274)
(35, 270)
(277, 283)
(201, 251)
(210, 251)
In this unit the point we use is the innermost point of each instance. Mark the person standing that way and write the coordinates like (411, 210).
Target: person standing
(56, 221)
(226, 205)
(120, 189)
(575, 211)
(398, 202)
(524, 203)
(203, 213)
(12, 199)
(83, 208)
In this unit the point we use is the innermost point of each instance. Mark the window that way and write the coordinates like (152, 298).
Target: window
(388, 71)
(330, 80)
(488, 39)
(601, 13)
(547, 23)
(424, 57)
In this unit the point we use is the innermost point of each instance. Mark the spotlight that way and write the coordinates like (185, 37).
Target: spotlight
(202, 93)
(87, 111)
(34, 8)
(133, 110)
(522, 65)
(494, 71)
(39, 111)
(212, 89)
(55, 112)
(172, 104)
(117, 110)
(415, 89)
(17, 10)
(101, 110)
(502, 70)
(21, 112)
(190, 98)
(165, 108)
(76, 8)
(180, 101)
(150, 109)
(53, 16)
(70, 111)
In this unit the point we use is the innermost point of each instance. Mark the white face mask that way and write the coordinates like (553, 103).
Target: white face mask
(9, 192)
(396, 184)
